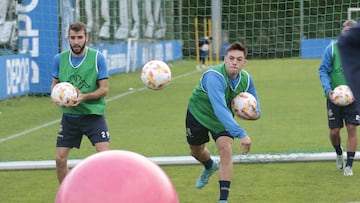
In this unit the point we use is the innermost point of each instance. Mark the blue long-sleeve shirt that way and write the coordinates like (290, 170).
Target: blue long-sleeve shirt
(215, 85)
(326, 67)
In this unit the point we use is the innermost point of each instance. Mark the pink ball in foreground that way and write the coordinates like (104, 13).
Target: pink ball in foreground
(116, 176)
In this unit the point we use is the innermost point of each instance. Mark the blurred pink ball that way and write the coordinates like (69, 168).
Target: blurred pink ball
(116, 176)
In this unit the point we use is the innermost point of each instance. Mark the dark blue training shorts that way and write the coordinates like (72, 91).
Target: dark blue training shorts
(197, 134)
(337, 115)
(72, 129)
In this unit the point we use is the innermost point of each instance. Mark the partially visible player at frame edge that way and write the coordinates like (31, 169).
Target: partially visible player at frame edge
(209, 110)
(86, 69)
(331, 75)
(349, 47)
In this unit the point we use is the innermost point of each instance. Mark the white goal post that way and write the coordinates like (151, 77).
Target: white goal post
(188, 160)
(131, 61)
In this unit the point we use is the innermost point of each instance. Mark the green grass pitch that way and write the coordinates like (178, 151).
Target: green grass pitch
(152, 123)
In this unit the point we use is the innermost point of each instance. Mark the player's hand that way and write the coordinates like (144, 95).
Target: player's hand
(330, 96)
(245, 144)
(80, 98)
(251, 115)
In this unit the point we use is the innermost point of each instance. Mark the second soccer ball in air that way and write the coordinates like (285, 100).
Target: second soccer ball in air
(342, 95)
(156, 74)
(243, 102)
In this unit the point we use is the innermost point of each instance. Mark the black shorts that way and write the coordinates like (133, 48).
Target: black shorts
(72, 129)
(197, 134)
(337, 115)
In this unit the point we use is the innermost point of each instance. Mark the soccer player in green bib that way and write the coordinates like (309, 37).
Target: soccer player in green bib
(209, 110)
(331, 75)
(86, 69)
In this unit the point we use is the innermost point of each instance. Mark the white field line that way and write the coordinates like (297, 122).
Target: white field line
(10, 137)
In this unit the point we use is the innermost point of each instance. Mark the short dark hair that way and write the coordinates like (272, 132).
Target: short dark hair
(237, 46)
(78, 26)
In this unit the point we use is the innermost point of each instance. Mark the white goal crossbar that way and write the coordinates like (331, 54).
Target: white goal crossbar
(186, 160)
(350, 10)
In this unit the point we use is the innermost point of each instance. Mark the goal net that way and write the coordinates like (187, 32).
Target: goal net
(285, 40)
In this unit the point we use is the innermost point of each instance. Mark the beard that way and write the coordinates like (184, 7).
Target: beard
(78, 50)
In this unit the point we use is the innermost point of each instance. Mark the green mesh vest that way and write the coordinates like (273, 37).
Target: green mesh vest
(200, 106)
(84, 77)
(336, 75)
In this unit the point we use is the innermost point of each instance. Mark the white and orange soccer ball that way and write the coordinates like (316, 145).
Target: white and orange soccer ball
(243, 102)
(64, 94)
(156, 74)
(342, 95)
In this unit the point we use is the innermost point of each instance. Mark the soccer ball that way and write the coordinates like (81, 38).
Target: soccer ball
(156, 74)
(243, 102)
(342, 95)
(63, 94)
(205, 47)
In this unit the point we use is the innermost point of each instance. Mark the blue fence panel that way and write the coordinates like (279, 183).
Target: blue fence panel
(15, 75)
(314, 48)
